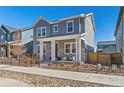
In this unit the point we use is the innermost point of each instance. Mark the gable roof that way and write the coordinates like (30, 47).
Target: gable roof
(6, 28)
(38, 19)
(2, 29)
(121, 12)
(10, 29)
(67, 18)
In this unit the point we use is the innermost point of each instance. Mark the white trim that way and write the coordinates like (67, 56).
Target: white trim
(72, 26)
(79, 25)
(37, 31)
(70, 47)
(53, 50)
(41, 31)
(45, 31)
(57, 47)
(59, 37)
(54, 28)
(44, 45)
(38, 49)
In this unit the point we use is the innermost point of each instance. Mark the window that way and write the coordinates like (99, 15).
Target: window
(38, 32)
(67, 48)
(73, 48)
(70, 26)
(1, 37)
(43, 31)
(38, 49)
(13, 36)
(55, 28)
(70, 48)
(44, 48)
(38, 42)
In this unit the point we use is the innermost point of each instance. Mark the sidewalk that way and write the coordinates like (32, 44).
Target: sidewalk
(6, 82)
(89, 77)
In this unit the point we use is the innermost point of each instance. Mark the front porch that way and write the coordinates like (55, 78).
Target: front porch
(6, 48)
(62, 49)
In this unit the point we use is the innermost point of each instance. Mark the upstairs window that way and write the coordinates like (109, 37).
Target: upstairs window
(55, 28)
(38, 32)
(70, 26)
(1, 37)
(41, 32)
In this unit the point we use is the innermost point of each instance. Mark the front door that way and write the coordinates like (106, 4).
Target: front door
(57, 49)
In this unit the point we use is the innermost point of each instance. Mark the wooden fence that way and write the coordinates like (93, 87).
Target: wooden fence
(104, 58)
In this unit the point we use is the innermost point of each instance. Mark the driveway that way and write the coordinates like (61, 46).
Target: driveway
(5, 82)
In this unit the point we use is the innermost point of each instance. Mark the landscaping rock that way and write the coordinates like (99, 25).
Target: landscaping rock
(45, 81)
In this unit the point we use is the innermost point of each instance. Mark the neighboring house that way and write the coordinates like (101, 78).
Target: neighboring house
(27, 39)
(8, 36)
(119, 33)
(67, 39)
(106, 46)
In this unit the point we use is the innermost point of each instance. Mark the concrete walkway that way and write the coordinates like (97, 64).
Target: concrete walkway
(6, 82)
(89, 77)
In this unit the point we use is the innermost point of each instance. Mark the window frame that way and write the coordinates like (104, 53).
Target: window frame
(42, 32)
(54, 27)
(38, 49)
(72, 26)
(41, 29)
(71, 43)
(44, 48)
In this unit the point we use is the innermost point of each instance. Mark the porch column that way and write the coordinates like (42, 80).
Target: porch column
(53, 50)
(41, 50)
(78, 49)
(8, 50)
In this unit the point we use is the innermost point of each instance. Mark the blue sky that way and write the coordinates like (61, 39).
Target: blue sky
(105, 17)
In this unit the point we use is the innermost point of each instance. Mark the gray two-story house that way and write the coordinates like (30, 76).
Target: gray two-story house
(67, 39)
(8, 36)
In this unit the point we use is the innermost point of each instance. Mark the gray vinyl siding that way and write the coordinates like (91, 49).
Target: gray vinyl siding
(62, 28)
(2, 34)
(50, 32)
(43, 23)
